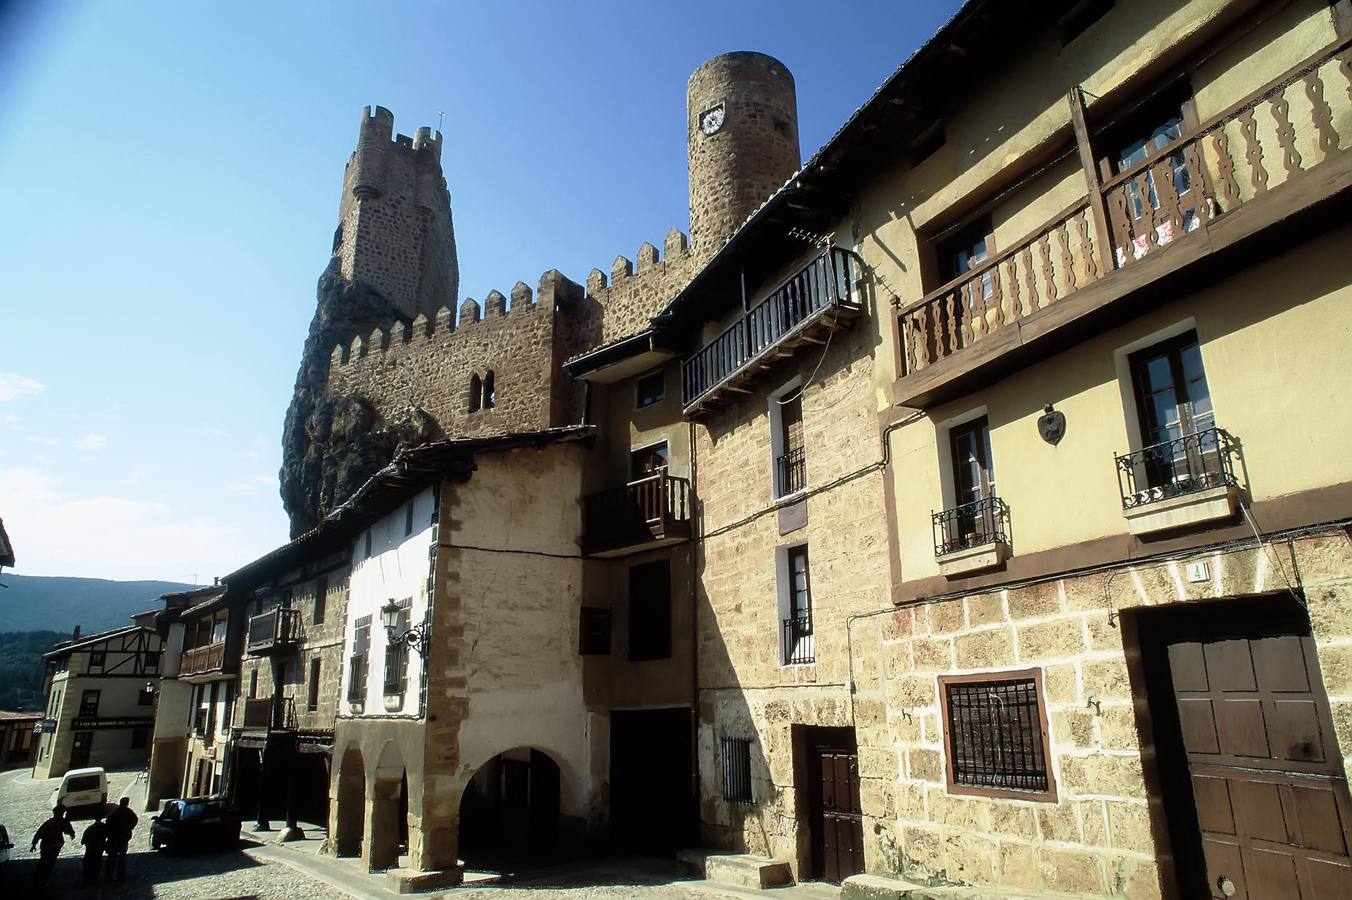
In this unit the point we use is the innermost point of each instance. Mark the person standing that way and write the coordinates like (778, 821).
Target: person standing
(52, 836)
(94, 839)
(121, 822)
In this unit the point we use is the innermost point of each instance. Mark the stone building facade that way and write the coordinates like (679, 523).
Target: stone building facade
(723, 529)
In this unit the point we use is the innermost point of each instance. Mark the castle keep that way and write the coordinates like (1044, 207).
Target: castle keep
(706, 553)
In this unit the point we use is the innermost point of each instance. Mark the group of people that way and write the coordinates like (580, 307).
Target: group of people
(110, 836)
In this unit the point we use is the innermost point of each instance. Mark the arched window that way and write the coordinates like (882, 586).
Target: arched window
(475, 392)
(490, 396)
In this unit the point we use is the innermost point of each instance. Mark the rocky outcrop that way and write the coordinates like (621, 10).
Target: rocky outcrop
(331, 445)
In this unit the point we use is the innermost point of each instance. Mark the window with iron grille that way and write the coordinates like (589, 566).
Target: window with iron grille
(356, 666)
(89, 704)
(396, 655)
(737, 770)
(995, 734)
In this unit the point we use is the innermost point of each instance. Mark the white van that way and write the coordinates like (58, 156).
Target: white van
(82, 790)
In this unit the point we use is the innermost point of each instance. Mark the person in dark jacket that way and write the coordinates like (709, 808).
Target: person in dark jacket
(121, 823)
(52, 836)
(94, 839)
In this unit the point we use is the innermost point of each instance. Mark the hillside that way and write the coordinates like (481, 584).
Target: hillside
(42, 603)
(21, 667)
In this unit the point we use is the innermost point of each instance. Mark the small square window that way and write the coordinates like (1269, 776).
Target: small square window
(96, 659)
(737, 770)
(594, 625)
(995, 735)
(150, 661)
(650, 389)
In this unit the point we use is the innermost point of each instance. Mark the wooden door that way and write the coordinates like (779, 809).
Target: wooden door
(1272, 798)
(79, 751)
(841, 827)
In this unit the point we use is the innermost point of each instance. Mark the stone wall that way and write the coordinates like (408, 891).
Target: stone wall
(745, 691)
(1096, 837)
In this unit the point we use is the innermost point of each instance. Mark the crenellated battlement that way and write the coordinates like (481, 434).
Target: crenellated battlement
(631, 294)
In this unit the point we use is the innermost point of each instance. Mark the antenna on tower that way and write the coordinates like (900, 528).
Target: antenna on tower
(440, 116)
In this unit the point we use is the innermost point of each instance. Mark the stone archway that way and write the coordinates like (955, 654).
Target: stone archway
(509, 813)
(388, 824)
(350, 827)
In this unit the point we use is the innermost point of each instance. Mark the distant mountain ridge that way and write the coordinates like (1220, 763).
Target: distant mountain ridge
(55, 603)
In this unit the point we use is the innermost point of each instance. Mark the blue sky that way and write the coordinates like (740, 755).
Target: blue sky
(171, 178)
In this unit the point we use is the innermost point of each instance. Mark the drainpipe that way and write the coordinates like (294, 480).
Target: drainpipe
(696, 548)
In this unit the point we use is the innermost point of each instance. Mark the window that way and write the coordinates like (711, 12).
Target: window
(89, 704)
(995, 735)
(647, 461)
(737, 770)
(408, 519)
(650, 611)
(56, 705)
(974, 519)
(650, 389)
(97, 658)
(138, 738)
(790, 474)
(321, 601)
(218, 626)
(798, 644)
(396, 655)
(253, 684)
(1076, 20)
(490, 392)
(312, 698)
(229, 715)
(356, 666)
(1180, 443)
(476, 392)
(150, 661)
(594, 628)
(145, 697)
(966, 249)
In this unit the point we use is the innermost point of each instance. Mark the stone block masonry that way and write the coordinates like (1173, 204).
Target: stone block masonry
(630, 296)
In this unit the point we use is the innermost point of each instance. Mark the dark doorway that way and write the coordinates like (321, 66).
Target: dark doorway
(509, 815)
(80, 747)
(830, 787)
(1254, 796)
(651, 770)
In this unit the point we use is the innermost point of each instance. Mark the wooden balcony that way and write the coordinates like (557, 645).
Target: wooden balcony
(822, 297)
(209, 659)
(269, 714)
(274, 631)
(1184, 215)
(650, 512)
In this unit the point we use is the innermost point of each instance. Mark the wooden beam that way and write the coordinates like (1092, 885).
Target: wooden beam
(1098, 210)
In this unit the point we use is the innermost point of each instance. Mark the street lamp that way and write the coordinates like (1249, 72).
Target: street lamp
(415, 637)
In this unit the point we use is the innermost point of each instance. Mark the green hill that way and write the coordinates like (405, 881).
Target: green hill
(21, 667)
(41, 603)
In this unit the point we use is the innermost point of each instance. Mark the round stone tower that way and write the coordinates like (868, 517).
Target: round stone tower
(742, 137)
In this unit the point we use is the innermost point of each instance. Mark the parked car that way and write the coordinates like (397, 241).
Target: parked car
(195, 822)
(83, 792)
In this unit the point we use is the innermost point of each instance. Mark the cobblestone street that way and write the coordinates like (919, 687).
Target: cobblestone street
(266, 870)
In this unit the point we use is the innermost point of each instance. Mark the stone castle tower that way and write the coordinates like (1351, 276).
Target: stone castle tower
(391, 358)
(742, 134)
(394, 220)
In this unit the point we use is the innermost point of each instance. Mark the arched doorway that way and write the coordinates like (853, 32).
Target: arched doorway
(389, 811)
(351, 822)
(509, 814)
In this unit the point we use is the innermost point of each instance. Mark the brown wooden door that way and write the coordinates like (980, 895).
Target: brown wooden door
(841, 827)
(1272, 798)
(80, 747)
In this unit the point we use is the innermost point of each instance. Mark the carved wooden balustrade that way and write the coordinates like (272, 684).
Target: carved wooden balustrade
(206, 658)
(1271, 138)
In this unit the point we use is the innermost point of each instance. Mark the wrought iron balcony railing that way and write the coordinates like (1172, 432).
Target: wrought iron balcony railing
(655, 508)
(270, 714)
(799, 643)
(207, 658)
(1191, 463)
(975, 524)
(1231, 160)
(276, 629)
(791, 472)
(791, 313)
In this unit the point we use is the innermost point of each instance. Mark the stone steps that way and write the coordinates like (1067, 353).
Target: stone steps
(743, 870)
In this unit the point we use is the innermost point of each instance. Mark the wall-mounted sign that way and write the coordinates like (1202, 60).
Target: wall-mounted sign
(122, 722)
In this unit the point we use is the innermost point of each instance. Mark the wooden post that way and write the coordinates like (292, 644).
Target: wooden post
(1092, 181)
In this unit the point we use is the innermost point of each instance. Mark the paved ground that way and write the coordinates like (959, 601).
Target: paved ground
(265, 870)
